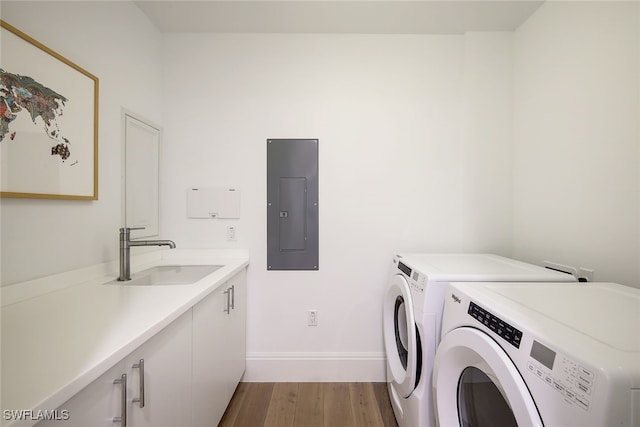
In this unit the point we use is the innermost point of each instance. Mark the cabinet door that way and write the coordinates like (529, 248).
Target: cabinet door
(167, 378)
(96, 405)
(236, 334)
(219, 349)
(209, 322)
(167, 386)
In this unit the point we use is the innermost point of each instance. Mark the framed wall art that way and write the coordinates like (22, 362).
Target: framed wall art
(48, 122)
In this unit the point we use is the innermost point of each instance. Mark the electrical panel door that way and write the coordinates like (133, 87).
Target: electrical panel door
(292, 204)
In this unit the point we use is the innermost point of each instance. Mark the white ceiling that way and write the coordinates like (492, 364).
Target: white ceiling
(337, 16)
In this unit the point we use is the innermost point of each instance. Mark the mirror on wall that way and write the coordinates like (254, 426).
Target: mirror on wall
(142, 163)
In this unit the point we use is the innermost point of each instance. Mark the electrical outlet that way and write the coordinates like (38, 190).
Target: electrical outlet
(312, 318)
(585, 274)
(231, 234)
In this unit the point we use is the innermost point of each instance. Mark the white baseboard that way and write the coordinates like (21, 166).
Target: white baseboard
(315, 367)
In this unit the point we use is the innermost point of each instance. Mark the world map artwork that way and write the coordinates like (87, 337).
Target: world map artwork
(24, 95)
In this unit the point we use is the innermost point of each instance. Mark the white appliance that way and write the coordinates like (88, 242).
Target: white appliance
(539, 355)
(412, 313)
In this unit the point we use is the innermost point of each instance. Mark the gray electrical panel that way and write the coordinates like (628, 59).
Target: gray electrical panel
(292, 204)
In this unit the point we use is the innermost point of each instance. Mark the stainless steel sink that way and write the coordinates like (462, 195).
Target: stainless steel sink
(170, 275)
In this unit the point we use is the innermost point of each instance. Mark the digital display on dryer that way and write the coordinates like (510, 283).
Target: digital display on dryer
(543, 354)
(404, 268)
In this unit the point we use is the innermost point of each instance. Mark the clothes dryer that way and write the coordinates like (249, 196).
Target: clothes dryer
(539, 355)
(412, 313)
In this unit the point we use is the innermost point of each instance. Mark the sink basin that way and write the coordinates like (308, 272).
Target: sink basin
(171, 275)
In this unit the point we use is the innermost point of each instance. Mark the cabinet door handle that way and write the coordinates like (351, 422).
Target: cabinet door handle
(227, 308)
(140, 366)
(122, 419)
(233, 296)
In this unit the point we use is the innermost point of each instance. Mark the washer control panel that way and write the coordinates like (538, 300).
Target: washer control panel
(416, 280)
(572, 380)
(507, 332)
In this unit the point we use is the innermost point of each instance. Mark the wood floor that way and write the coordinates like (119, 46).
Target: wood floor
(309, 405)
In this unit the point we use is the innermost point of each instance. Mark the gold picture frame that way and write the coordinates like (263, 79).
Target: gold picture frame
(48, 122)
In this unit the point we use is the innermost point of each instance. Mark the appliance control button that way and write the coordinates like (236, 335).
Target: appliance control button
(582, 402)
(583, 388)
(586, 372)
(586, 381)
(570, 395)
(559, 387)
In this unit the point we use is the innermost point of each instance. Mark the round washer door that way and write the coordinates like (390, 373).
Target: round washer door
(400, 336)
(475, 384)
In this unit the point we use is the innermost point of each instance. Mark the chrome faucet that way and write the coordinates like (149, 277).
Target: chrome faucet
(125, 251)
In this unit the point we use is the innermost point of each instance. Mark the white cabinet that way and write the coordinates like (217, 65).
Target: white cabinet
(167, 386)
(219, 349)
(96, 405)
(191, 369)
(236, 335)
(166, 390)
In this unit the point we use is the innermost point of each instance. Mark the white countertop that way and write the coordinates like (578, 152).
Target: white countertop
(56, 343)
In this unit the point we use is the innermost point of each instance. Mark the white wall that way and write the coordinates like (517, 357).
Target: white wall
(486, 131)
(577, 138)
(115, 42)
(394, 171)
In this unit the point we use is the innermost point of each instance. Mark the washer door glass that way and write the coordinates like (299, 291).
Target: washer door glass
(481, 403)
(476, 384)
(400, 338)
(400, 327)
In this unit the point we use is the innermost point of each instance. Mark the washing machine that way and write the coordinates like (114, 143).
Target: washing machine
(412, 313)
(553, 355)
